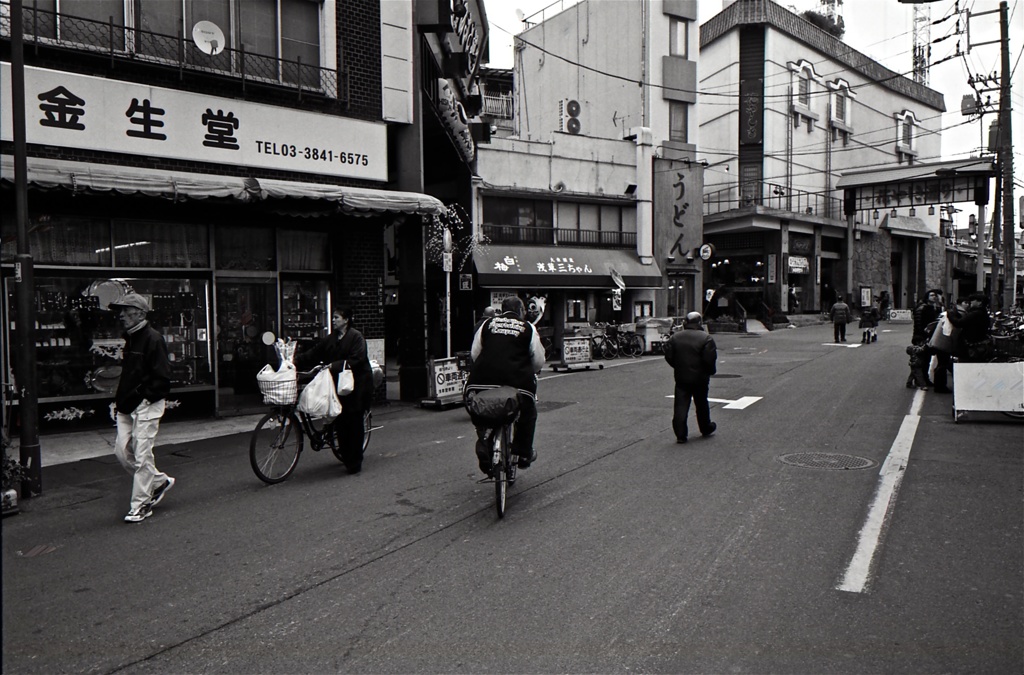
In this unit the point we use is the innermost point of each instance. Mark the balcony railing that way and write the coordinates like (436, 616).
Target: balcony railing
(44, 28)
(771, 196)
(547, 236)
(498, 106)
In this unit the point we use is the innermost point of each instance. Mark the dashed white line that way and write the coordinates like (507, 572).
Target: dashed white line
(858, 572)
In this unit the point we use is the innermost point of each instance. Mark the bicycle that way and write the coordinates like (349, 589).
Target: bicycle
(504, 461)
(277, 440)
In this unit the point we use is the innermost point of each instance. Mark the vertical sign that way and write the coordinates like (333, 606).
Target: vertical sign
(751, 112)
(771, 268)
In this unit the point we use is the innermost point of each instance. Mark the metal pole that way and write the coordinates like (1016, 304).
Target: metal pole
(25, 368)
(979, 279)
(1006, 160)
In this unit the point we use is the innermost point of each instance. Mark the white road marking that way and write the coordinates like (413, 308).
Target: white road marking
(858, 572)
(842, 344)
(738, 404)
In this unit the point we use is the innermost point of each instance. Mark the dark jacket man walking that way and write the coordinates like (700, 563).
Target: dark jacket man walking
(693, 355)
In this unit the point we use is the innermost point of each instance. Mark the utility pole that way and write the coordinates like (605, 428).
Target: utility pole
(25, 369)
(1006, 161)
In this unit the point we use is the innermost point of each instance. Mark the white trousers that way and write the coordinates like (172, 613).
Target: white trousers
(136, 435)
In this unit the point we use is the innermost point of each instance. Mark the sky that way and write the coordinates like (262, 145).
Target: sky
(881, 29)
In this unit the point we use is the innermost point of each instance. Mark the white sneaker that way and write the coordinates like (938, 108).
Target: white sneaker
(139, 515)
(159, 493)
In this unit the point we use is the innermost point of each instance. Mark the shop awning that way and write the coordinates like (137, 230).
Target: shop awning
(84, 177)
(510, 266)
(920, 171)
(907, 226)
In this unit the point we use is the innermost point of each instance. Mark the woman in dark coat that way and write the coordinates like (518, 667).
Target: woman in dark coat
(346, 347)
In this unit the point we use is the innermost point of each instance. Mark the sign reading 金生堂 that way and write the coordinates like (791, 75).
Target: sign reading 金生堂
(79, 111)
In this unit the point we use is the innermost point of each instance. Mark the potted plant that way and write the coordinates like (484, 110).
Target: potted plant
(13, 474)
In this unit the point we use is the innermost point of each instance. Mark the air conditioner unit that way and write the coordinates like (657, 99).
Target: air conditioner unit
(569, 121)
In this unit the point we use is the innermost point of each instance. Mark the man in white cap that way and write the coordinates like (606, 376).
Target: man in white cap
(145, 381)
(693, 355)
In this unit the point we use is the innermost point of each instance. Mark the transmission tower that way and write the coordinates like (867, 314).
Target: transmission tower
(922, 42)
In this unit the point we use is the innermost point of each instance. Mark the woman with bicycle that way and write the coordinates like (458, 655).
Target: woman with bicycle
(345, 348)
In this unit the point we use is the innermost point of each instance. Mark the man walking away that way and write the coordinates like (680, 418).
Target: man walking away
(841, 315)
(145, 381)
(693, 355)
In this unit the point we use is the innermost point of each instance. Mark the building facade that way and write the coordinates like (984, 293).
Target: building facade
(587, 196)
(788, 109)
(243, 164)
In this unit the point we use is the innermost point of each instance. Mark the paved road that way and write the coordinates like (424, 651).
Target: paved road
(621, 551)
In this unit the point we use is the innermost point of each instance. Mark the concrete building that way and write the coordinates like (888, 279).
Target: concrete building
(587, 196)
(245, 173)
(787, 109)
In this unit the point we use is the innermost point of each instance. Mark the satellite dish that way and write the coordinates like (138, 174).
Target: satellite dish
(520, 15)
(208, 37)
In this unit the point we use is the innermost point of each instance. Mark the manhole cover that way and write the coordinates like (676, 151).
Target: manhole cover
(826, 460)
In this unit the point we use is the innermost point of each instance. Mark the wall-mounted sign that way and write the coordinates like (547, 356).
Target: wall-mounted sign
(751, 111)
(799, 264)
(78, 111)
(465, 282)
(771, 267)
(454, 118)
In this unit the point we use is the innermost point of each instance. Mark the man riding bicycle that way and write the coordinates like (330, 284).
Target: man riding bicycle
(507, 351)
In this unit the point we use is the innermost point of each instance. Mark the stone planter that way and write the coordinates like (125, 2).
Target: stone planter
(10, 506)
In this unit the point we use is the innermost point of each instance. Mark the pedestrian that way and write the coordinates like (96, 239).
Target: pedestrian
(488, 313)
(345, 348)
(841, 315)
(693, 355)
(883, 305)
(869, 325)
(919, 358)
(139, 404)
(974, 344)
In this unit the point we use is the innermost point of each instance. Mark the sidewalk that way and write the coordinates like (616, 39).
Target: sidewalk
(88, 444)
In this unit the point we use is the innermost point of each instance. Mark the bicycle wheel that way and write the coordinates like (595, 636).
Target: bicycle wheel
(275, 446)
(501, 469)
(634, 346)
(608, 349)
(367, 428)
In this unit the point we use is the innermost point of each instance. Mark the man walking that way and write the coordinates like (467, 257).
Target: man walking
(841, 315)
(693, 355)
(145, 381)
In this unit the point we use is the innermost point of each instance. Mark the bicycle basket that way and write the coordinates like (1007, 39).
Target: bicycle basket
(492, 407)
(278, 387)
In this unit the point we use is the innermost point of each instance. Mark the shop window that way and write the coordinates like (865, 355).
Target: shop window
(61, 240)
(303, 250)
(244, 248)
(79, 341)
(575, 308)
(157, 244)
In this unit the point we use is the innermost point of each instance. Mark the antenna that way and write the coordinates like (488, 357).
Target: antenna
(922, 42)
(520, 15)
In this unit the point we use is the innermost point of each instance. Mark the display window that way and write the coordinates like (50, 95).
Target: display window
(305, 310)
(79, 341)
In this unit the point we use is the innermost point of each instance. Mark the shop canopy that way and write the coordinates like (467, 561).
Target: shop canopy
(907, 226)
(89, 177)
(511, 266)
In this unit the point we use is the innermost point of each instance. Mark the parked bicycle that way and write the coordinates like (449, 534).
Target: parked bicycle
(277, 440)
(616, 341)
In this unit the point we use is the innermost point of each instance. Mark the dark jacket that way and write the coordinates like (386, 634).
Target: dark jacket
(973, 325)
(338, 350)
(924, 314)
(145, 370)
(506, 353)
(693, 355)
(840, 313)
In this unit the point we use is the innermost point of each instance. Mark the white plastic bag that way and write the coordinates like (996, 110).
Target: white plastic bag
(318, 398)
(346, 382)
(278, 387)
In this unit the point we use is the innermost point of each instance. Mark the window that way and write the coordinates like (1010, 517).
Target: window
(841, 102)
(677, 41)
(678, 121)
(906, 137)
(509, 220)
(802, 74)
(282, 40)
